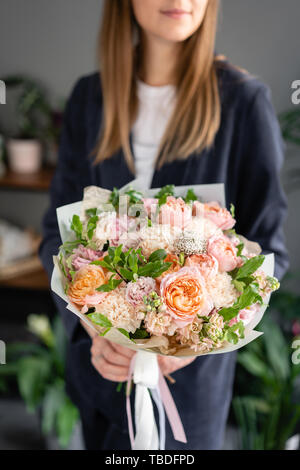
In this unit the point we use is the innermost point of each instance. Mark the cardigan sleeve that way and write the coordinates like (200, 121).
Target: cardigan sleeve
(65, 188)
(261, 203)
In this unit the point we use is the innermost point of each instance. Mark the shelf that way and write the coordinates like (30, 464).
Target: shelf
(33, 182)
(25, 274)
(37, 280)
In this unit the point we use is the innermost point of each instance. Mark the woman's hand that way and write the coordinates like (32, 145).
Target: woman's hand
(109, 359)
(170, 364)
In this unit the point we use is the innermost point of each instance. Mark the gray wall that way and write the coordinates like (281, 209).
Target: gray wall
(54, 41)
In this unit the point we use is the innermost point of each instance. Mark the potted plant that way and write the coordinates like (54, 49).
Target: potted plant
(32, 119)
(39, 371)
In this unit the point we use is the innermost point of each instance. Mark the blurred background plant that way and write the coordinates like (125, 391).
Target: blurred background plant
(34, 117)
(266, 402)
(39, 371)
(290, 127)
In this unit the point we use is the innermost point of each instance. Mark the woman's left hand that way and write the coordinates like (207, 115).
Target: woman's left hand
(170, 364)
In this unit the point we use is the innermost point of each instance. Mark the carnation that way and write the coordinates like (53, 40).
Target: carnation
(135, 291)
(82, 256)
(120, 312)
(221, 289)
(159, 323)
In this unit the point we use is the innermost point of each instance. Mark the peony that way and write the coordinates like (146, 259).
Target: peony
(214, 212)
(185, 295)
(82, 290)
(135, 291)
(207, 264)
(82, 256)
(224, 251)
(175, 212)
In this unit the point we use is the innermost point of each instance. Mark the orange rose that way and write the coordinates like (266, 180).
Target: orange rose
(185, 296)
(172, 269)
(82, 291)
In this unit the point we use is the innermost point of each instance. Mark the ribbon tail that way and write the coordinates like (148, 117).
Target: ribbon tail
(171, 410)
(162, 418)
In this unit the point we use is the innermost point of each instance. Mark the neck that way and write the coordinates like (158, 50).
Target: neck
(159, 59)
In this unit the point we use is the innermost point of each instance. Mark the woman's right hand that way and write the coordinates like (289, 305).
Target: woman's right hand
(109, 359)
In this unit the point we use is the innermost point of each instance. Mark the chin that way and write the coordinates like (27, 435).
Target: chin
(174, 36)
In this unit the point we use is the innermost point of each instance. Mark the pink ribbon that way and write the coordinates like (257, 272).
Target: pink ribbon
(168, 402)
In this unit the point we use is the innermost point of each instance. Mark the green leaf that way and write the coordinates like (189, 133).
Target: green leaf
(165, 191)
(67, 418)
(53, 400)
(134, 196)
(100, 319)
(140, 333)
(190, 196)
(124, 332)
(91, 226)
(249, 267)
(91, 212)
(232, 210)
(114, 198)
(126, 274)
(76, 226)
(239, 247)
(33, 376)
(157, 255)
(247, 298)
(111, 285)
(154, 269)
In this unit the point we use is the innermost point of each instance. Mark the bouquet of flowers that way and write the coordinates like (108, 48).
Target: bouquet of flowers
(162, 271)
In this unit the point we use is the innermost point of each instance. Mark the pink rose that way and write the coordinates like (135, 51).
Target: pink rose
(214, 212)
(185, 296)
(175, 212)
(224, 251)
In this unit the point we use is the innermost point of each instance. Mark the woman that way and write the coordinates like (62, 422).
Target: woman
(170, 112)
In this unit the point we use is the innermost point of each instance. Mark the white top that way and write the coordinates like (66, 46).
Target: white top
(156, 104)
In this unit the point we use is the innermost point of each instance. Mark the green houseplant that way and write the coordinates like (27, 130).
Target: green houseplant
(39, 370)
(267, 398)
(32, 120)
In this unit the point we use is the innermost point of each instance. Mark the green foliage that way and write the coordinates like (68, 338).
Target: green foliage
(40, 374)
(131, 264)
(190, 196)
(165, 191)
(269, 416)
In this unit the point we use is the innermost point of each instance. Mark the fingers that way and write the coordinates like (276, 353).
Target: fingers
(111, 360)
(110, 371)
(169, 365)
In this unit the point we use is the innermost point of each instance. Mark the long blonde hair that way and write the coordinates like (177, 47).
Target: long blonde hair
(196, 117)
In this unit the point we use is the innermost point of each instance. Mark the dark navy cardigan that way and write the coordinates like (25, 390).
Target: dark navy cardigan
(247, 156)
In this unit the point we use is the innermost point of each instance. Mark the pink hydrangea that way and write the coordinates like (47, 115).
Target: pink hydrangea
(83, 256)
(135, 291)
